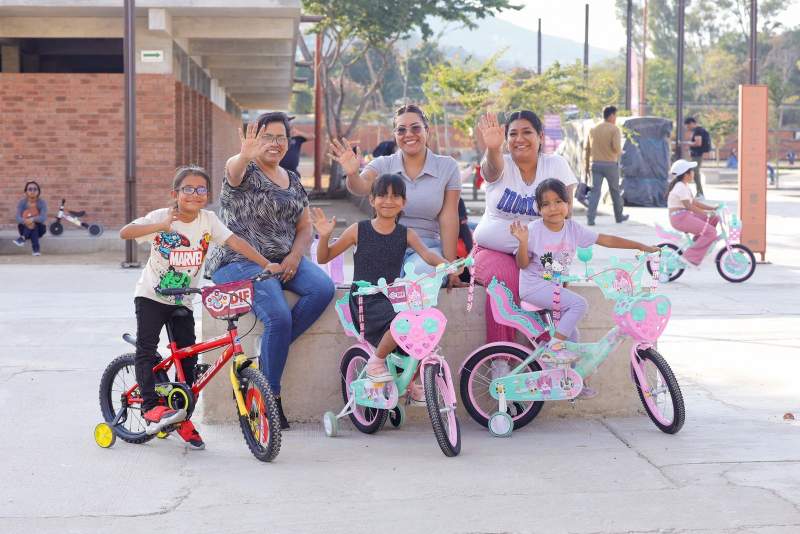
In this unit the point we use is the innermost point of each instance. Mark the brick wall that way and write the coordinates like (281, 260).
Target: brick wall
(66, 131)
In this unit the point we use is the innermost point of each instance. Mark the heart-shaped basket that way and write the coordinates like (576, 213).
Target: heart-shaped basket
(643, 317)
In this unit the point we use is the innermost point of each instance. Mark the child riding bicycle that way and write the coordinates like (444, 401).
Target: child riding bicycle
(547, 247)
(180, 237)
(380, 247)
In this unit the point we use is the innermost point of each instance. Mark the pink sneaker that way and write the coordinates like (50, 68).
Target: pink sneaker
(377, 370)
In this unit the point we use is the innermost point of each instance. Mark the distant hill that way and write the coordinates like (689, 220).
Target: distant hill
(492, 35)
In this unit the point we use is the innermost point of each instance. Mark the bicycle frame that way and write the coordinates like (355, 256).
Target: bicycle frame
(234, 348)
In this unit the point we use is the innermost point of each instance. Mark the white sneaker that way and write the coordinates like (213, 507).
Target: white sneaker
(36, 254)
(19, 241)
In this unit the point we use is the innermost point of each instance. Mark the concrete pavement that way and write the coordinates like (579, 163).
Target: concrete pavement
(735, 466)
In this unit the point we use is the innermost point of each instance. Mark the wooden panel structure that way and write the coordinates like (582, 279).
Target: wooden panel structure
(753, 124)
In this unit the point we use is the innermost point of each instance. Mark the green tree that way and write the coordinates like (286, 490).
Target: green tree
(353, 29)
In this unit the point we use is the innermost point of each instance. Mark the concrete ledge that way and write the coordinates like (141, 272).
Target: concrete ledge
(70, 242)
(311, 383)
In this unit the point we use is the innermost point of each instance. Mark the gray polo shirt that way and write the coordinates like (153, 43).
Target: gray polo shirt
(425, 195)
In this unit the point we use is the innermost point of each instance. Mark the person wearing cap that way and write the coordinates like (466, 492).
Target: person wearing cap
(687, 214)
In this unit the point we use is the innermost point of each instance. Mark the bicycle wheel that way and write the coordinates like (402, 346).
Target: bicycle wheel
(736, 264)
(118, 377)
(441, 404)
(670, 263)
(660, 394)
(365, 419)
(56, 228)
(478, 373)
(260, 427)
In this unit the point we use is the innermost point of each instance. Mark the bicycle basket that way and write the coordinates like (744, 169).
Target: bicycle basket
(230, 300)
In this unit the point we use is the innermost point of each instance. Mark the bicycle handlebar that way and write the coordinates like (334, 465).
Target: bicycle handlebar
(365, 288)
(178, 291)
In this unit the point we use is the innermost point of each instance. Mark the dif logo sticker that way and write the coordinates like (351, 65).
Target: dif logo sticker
(237, 301)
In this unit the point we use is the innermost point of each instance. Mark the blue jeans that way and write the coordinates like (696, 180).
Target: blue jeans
(281, 324)
(420, 266)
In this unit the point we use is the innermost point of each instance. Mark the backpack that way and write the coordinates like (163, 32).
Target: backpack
(706, 141)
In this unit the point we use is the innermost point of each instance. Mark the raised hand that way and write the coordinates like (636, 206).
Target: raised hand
(520, 231)
(166, 223)
(342, 152)
(492, 133)
(323, 225)
(251, 141)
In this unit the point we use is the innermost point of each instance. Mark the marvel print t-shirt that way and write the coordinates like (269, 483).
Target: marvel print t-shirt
(176, 257)
(509, 198)
(552, 251)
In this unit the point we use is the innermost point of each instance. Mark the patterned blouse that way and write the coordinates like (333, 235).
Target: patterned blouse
(261, 213)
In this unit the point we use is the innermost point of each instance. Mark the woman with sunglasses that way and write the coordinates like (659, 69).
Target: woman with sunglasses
(31, 215)
(267, 206)
(433, 185)
(511, 181)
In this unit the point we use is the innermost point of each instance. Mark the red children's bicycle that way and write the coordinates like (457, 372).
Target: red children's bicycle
(120, 399)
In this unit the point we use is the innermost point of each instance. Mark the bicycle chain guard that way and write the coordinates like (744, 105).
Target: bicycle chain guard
(562, 383)
(381, 395)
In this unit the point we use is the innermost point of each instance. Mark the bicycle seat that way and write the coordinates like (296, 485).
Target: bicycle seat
(527, 306)
(77, 213)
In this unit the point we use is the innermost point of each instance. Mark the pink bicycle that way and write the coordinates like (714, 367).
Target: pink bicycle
(504, 385)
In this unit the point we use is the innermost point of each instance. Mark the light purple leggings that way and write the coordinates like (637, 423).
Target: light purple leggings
(573, 306)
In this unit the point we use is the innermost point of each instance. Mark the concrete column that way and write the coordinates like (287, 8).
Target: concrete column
(11, 59)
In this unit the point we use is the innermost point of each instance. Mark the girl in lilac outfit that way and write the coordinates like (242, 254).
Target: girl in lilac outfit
(549, 244)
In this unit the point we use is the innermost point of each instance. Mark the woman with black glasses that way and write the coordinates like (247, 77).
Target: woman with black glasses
(433, 184)
(267, 206)
(31, 215)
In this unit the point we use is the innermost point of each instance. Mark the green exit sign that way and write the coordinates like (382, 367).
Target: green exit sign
(152, 56)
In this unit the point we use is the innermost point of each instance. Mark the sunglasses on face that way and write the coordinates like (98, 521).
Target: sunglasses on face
(32, 189)
(189, 190)
(415, 129)
(269, 139)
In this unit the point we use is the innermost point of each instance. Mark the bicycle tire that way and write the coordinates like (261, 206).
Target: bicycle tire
(373, 418)
(447, 430)
(674, 390)
(121, 364)
(261, 399)
(720, 262)
(520, 420)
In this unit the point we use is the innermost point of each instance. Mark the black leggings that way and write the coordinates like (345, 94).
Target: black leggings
(151, 316)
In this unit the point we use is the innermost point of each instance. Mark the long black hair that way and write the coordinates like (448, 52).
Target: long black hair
(381, 186)
(531, 117)
(554, 185)
(677, 179)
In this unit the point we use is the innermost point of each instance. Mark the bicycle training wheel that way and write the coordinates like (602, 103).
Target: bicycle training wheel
(441, 404)
(118, 378)
(736, 264)
(260, 427)
(659, 392)
(476, 376)
(365, 419)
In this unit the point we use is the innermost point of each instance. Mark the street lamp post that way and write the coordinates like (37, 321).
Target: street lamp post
(753, 42)
(129, 53)
(679, 80)
(628, 54)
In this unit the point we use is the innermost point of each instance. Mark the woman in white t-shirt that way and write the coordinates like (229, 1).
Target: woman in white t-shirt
(511, 181)
(688, 214)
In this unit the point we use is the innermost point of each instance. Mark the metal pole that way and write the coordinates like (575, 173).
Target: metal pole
(642, 83)
(586, 49)
(679, 80)
(753, 42)
(628, 55)
(318, 114)
(129, 53)
(539, 49)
